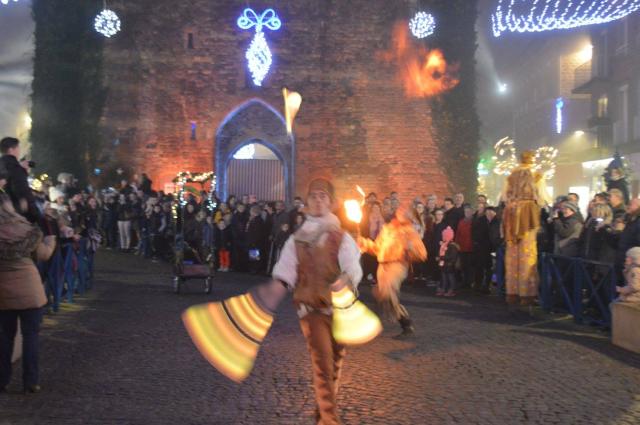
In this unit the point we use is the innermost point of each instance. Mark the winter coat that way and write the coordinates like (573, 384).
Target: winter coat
(20, 283)
(598, 244)
(450, 259)
(629, 237)
(463, 235)
(256, 232)
(567, 231)
(222, 238)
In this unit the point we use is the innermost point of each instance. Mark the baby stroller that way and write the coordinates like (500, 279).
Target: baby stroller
(191, 261)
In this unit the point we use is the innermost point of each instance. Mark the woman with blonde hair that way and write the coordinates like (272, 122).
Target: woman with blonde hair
(598, 239)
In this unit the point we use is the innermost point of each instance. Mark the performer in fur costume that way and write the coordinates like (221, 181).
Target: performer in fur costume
(524, 197)
(396, 247)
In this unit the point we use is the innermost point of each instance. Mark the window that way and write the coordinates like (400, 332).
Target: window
(190, 41)
(603, 106)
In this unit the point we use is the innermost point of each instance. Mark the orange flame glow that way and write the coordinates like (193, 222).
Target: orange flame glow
(354, 212)
(423, 72)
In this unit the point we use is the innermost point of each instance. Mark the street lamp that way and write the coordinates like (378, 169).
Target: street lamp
(502, 88)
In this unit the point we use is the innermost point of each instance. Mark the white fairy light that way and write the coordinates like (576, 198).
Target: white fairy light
(107, 23)
(422, 25)
(258, 54)
(7, 1)
(559, 107)
(546, 15)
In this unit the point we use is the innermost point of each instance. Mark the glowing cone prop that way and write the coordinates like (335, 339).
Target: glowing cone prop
(229, 333)
(292, 102)
(353, 322)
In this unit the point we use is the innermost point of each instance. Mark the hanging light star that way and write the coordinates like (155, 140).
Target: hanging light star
(107, 23)
(258, 54)
(422, 25)
(546, 15)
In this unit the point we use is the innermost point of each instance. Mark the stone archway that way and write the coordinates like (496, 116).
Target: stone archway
(254, 121)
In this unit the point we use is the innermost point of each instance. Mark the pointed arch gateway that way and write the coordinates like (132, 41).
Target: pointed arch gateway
(254, 122)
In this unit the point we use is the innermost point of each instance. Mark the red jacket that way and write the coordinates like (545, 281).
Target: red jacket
(463, 235)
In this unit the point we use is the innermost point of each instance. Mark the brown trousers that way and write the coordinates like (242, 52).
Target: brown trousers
(326, 359)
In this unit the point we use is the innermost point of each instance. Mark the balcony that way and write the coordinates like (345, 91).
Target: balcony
(598, 122)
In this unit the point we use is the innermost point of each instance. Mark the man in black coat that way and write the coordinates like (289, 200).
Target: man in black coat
(17, 186)
(630, 236)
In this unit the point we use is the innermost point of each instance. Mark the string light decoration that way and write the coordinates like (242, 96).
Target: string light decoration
(505, 157)
(422, 25)
(107, 22)
(181, 180)
(546, 15)
(545, 161)
(559, 107)
(506, 160)
(7, 1)
(258, 54)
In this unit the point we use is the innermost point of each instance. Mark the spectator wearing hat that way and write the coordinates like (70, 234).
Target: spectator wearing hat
(567, 229)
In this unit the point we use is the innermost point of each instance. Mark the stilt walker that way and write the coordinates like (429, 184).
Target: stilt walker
(396, 247)
(523, 196)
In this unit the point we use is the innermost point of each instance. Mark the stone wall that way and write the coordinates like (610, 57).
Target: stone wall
(355, 124)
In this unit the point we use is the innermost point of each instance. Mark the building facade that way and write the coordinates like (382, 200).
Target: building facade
(614, 90)
(180, 96)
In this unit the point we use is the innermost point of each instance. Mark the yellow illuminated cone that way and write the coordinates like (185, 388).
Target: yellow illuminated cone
(353, 322)
(229, 333)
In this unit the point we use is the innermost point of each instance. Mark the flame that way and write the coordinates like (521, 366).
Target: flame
(354, 212)
(292, 102)
(423, 72)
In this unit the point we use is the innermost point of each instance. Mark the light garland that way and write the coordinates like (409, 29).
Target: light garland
(506, 160)
(559, 107)
(545, 15)
(545, 161)
(7, 1)
(422, 25)
(505, 157)
(107, 23)
(258, 54)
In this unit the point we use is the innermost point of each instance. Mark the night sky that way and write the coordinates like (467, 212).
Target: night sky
(16, 55)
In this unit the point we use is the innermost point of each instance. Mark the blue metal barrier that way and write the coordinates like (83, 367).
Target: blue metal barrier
(581, 287)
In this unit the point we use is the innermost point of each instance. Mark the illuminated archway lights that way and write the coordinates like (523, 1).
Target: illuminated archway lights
(422, 25)
(546, 15)
(258, 54)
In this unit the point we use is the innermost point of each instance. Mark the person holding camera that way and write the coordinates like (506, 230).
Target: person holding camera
(17, 186)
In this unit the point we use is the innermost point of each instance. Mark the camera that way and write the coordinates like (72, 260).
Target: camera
(31, 164)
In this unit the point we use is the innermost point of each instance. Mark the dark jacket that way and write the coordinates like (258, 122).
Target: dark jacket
(567, 231)
(222, 238)
(450, 258)
(598, 244)
(629, 237)
(17, 188)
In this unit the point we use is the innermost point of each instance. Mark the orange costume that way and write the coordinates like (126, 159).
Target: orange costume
(523, 196)
(396, 247)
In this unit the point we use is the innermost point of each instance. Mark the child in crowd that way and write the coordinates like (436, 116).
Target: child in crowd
(222, 240)
(631, 291)
(447, 261)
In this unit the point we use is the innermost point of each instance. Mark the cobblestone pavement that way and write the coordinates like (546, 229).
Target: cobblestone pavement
(121, 356)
